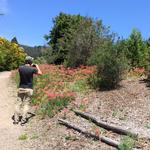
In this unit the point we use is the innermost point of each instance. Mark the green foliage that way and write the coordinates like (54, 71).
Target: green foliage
(40, 60)
(82, 107)
(49, 56)
(94, 81)
(137, 51)
(73, 38)
(58, 38)
(23, 137)
(127, 143)
(111, 62)
(71, 138)
(147, 43)
(53, 106)
(147, 126)
(34, 136)
(78, 86)
(11, 55)
(86, 39)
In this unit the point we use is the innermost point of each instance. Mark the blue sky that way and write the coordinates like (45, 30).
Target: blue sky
(30, 20)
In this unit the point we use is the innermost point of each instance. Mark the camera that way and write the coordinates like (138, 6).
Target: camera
(33, 65)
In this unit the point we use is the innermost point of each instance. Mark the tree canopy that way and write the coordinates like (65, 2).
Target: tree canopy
(64, 27)
(74, 37)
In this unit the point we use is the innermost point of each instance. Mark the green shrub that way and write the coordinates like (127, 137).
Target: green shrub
(94, 81)
(11, 55)
(127, 143)
(110, 62)
(23, 137)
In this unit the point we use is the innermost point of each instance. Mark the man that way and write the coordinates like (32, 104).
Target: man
(25, 90)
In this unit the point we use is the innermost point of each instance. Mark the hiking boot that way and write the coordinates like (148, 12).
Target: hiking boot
(17, 119)
(15, 122)
(23, 121)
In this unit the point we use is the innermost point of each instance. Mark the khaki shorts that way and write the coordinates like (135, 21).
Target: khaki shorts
(22, 105)
(25, 92)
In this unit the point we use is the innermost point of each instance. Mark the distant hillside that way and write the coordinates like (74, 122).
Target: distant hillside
(35, 51)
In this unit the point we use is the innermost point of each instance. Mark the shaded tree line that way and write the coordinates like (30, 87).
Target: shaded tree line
(34, 51)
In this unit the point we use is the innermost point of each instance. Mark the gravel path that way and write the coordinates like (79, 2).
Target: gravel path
(9, 133)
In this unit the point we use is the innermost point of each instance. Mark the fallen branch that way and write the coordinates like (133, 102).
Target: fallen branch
(83, 131)
(105, 125)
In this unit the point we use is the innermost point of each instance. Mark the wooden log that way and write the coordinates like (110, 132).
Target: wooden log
(105, 125)
(88, 134)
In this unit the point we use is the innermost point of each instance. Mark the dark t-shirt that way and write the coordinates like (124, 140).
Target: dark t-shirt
(26, 76)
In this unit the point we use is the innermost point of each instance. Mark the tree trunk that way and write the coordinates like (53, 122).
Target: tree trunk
(88, 134)
(105, 125)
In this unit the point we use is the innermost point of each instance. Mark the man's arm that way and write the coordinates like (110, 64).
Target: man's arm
(38, 69)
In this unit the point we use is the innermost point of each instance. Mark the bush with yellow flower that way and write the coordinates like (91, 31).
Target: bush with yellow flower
(11, 55)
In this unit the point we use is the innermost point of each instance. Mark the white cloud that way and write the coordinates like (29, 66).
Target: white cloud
(3, 6)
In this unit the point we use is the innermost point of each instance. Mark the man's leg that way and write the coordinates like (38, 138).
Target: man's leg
(18, 105)
(26, 105)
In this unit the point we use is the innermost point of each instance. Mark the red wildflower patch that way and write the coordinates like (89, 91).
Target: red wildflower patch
(139, 70)
(56, 81)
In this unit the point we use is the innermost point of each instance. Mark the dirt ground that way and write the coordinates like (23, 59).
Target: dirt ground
(127, 107)
(8, 132)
